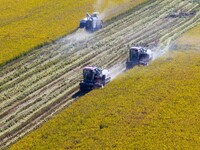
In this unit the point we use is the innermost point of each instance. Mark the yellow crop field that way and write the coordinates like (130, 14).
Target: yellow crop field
(191, 37)
(154, 107)
(26, 24)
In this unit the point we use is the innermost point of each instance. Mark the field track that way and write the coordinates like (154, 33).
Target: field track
(38, 85)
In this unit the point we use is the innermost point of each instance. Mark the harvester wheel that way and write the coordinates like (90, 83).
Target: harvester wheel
(103, 80)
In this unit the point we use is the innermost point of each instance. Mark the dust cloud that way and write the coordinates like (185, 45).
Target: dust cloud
(162, 49)
(117, 70)
(79, 36)
(108, 8)
(97, 6)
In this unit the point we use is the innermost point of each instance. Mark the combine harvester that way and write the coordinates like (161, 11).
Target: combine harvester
(138, 56)
(94, 77)
(91, 23)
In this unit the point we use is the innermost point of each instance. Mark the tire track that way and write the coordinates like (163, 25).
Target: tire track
(40, 77)
(93, 41)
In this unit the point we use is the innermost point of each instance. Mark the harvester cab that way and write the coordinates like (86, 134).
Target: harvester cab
(138, 56)
(94, 77)
(92, 22)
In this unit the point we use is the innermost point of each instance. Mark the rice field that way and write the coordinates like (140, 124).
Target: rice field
(190, 39)
(25, 25)
(40, 84)
(156, 107)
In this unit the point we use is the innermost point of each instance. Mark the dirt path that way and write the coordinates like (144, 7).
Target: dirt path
(38, 85)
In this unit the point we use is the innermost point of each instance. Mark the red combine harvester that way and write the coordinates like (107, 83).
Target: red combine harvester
(94, 77)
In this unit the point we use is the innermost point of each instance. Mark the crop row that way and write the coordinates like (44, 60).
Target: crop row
(4, 106)
(38, 91)
(56, 48)
(43, 67)
(62, 64)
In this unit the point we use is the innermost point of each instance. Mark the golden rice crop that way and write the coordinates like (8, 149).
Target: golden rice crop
(26, 24)
(191, 37)
(154, 107)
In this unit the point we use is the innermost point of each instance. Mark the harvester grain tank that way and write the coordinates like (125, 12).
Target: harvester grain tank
(92, 22)
(138, 56)
(94, 77)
